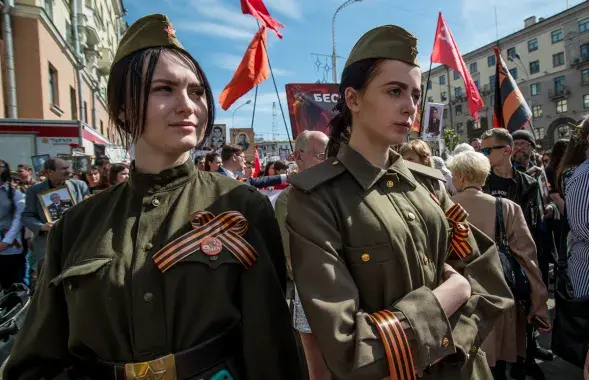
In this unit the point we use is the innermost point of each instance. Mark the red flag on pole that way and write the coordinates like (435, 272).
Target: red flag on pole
(257, 9)
(257, 164)
(252, 71)
(446, 52)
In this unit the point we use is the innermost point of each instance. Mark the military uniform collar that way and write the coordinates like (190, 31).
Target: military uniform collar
(366, 174)
(165, 180)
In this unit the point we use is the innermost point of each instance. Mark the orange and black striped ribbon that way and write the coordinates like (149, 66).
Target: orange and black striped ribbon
(229, 227)
(459, 244)
(396, 345)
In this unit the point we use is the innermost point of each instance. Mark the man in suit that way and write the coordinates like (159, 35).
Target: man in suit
(58, 174)
(234, 166)
(57, 206)
(434, 122)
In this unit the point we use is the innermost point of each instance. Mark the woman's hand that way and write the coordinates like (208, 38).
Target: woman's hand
(453, 292)
(544, 325)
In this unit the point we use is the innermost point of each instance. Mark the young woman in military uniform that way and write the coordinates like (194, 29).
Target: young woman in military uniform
(168, 275)
(395, 283)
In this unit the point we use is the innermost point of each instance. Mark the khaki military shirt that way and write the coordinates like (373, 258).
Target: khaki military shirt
(364, 240)
(101, 296)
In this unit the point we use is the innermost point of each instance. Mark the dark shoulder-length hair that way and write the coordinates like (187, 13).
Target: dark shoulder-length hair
(128, 91)
(357, 76)
(208, 159)
(114, 171)
(575, 153)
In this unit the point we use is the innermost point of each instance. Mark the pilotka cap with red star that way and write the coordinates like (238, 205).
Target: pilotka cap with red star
(150, 31)
(385, 42)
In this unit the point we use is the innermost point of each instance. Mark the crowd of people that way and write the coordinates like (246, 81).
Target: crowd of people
(377, 260)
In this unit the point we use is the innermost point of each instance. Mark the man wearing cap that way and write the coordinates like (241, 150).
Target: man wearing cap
(175, 274)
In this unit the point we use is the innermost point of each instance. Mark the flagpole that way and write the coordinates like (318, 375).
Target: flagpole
(449, 96)
(277, 95)
(254, 111)
(423, 103)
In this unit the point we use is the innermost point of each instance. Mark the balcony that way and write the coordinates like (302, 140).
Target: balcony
(580, 61)
(562, 93)
(88, 25)
(105, 58)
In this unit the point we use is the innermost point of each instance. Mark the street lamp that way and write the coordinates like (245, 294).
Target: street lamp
(233, 116)
(334, 56)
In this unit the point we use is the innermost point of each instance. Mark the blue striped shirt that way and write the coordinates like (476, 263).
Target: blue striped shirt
(577, 204)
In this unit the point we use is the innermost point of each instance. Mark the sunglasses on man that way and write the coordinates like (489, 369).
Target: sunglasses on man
(487, 151)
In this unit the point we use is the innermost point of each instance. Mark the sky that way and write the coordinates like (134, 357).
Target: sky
(217, 34)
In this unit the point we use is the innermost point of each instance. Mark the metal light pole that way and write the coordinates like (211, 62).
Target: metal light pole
(334, 56)
(233, 116)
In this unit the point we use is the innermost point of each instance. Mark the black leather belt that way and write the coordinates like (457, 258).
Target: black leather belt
(189, 363)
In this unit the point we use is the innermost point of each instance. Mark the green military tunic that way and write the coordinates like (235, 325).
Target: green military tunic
(364, 240)
(101, 295)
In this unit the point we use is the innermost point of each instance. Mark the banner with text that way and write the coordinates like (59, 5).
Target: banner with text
(310, 106)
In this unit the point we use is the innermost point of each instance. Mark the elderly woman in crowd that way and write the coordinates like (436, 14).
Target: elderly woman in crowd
(507, 340)
(417, 151)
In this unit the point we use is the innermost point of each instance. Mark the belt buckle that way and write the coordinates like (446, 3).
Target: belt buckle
(163, 368)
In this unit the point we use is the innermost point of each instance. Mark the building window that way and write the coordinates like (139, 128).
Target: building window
(459, 109)
(533, 45)
(539, 133)
(74, 103)
(534, 67)
(561, 106)
(459, 128)
(476, 84)
(430, 99)
(558, 84)
(535, 89)
(458, 92)
(442, 79)
(585, 76)
(558, 59)
(492, 81)
(492, 101)
(585, 101)
(49, 8)
(513, 73)
(53, 87)
(585, 52)
(443, 96)
(537, 111)
(491, 60)
(474, 68)
(584, 25)
(511, 52)
(556, 36)
(101, 128)
(85, 112)
(429, 84)
(456, 75)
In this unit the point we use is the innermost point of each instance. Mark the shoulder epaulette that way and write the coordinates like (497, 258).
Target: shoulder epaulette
(425, 170)
(312, 178)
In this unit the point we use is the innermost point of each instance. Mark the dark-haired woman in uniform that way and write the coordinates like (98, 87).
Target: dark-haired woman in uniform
(394, 282)
(167, 275)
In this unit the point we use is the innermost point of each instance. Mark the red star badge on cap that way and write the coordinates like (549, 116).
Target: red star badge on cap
(171, 32)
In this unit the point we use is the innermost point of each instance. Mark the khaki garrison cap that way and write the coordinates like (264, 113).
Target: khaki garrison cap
(150, 31)
(385, 42)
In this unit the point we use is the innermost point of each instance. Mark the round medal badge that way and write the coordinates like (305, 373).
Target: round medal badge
(211, 246)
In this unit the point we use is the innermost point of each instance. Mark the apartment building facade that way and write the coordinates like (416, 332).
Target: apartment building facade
(549, 60)
(57, 97)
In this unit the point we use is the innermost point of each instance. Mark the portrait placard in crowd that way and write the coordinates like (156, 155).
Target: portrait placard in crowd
(56, 202)
(244, 137)
(39, 161)
(82, 163)
(433, 121)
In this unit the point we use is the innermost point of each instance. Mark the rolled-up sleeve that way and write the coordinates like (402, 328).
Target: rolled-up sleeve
(350, 341)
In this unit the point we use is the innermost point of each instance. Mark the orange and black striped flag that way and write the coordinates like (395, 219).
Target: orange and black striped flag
(511, 110)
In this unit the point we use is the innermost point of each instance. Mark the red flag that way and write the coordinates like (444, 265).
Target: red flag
(446, 52)
(416, 127)
(257, 164)
(257, 9)
(252, 71)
